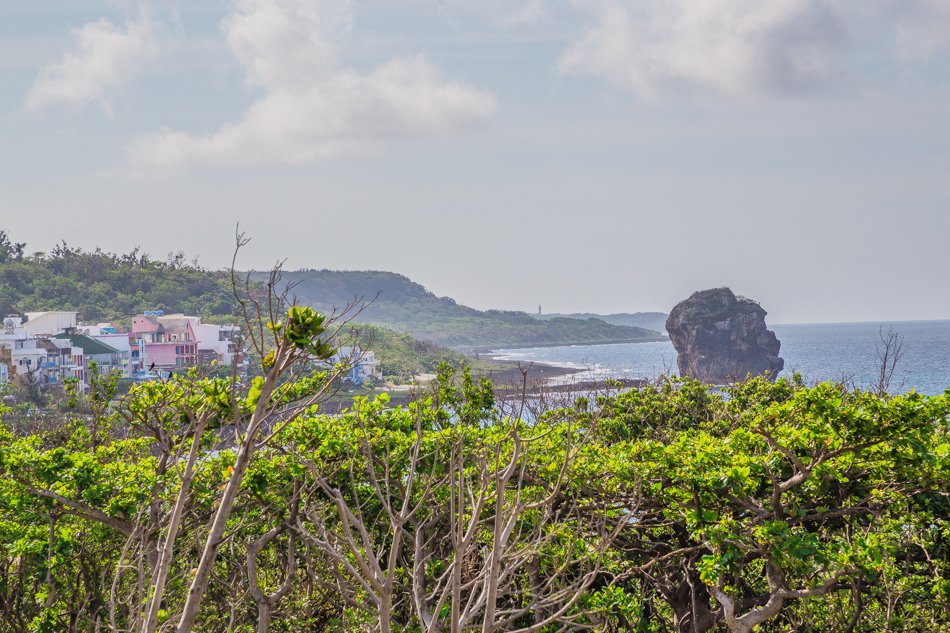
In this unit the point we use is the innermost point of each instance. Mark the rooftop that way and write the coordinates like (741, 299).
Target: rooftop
(89, 346)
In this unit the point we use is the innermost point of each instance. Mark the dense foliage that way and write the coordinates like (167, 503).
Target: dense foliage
(400, 355)
(105, 286)
(669, 508)
(405, 306)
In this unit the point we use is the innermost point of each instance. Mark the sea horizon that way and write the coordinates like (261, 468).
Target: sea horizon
(881, 321)
(819, 352)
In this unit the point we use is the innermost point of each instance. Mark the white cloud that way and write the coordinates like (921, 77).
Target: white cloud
(312, 107)
(922, 28)
(506, 13)
(730, 47)
(286, 42)
(106, 55)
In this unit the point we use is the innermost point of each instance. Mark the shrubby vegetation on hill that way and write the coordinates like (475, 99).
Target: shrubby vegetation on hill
(402, 356)
(105, 286)
(403, 305)
(649, 320)
(201, 505)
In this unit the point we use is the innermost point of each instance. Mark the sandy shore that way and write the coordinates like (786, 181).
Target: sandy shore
(537, 373)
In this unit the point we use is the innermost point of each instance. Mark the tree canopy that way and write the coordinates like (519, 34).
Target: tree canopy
(674, 507)
(104, 286)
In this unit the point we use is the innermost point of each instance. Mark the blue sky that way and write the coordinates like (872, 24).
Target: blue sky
(597, 155)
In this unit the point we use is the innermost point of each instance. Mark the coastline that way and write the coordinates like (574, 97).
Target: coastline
(552, 372)
(490, 353)
(538, 373)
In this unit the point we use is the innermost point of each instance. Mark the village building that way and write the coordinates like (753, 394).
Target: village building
(163, 343)
(361, 364)
(48, 323)
(106, 357)
(63, 360)
(6, 362)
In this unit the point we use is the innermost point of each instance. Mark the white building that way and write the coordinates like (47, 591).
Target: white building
(96, 330)
(362, 364)
(29, 359)
(13, 337)
(121, 343)
(49, 323)
(13, 329)
(219, 341)
(45, 359)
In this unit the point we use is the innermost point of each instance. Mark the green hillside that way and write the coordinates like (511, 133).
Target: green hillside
(400, 355)
(103, 286)
(649, 320)
(405, 306)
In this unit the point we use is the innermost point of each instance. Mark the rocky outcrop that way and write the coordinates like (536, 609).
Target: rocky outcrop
(721, 338)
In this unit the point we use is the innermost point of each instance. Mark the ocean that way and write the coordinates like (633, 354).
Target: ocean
(822, 351)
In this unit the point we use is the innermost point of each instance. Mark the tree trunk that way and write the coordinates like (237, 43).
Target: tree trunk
(263, 616)
(164, 562)
(385, 614)
(216, 535)
(215, 539)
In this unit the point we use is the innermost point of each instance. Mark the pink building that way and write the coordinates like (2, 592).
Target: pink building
(168, 343)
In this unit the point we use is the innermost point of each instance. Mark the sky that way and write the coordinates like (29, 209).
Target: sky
(582, 155)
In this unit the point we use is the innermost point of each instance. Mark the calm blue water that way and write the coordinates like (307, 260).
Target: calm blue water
(827, 351)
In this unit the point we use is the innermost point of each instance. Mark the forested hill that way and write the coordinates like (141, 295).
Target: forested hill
(105, 286)
(401, 304)
(649, 320)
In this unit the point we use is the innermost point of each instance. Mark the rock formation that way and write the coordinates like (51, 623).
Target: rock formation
(720, 338)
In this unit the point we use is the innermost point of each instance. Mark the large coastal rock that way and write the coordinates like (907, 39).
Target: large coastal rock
(721, 338)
